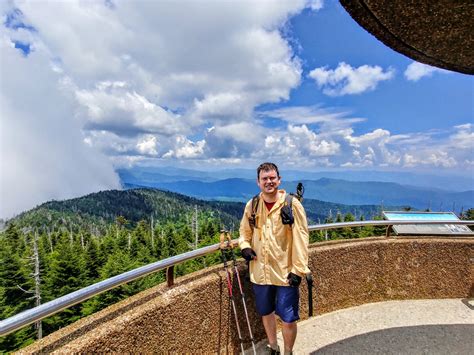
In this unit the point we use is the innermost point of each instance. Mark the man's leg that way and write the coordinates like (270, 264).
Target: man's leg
(287, 309)
(289, 331)
(269, 323)
(265, 304)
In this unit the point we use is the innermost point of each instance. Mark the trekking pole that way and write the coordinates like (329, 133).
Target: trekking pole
(242, 294)
(223, 246)
(309, 280)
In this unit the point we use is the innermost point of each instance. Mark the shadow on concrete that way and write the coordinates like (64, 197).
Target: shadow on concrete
(425, 339)
(469, 302)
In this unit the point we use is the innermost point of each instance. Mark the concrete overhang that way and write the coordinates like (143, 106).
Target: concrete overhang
(438, 33)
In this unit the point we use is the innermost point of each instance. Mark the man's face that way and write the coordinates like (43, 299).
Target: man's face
(268, 181)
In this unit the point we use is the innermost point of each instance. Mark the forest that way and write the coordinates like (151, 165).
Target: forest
(61, 247)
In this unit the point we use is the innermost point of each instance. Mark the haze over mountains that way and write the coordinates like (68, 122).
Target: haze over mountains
(239, 185)
(455, 183)
(101, 209)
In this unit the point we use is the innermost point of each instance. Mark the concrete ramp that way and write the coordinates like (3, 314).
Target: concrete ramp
(443, 326)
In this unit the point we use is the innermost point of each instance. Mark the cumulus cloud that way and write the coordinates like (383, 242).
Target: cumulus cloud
(415, 71)
(185, 148)
(234, 140)
(330, 140)
(147, 145)
(346, 80)
(316, 4)
(134, 81)
(299, 143)
(43, 154)
(112, 107)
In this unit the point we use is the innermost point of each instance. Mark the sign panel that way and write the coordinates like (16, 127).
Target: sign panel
(427, 229)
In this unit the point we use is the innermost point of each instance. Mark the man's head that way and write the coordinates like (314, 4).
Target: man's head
(268, 178)
(267, 167)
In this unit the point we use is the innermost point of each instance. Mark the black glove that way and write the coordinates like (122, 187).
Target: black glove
(293, 280)
(248, 254)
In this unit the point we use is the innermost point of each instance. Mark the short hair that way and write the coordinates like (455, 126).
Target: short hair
(267, 167)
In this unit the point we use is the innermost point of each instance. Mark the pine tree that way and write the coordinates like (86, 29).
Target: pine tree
(14, 281)
(66, 274)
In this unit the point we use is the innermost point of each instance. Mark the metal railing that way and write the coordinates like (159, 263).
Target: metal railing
(38, 313)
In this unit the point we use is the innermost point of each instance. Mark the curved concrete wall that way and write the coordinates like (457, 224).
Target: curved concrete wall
(195, 314)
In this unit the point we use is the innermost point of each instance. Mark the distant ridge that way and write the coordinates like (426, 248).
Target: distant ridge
(133, 204)
(102, 208)
(329, 190)
(453, 183)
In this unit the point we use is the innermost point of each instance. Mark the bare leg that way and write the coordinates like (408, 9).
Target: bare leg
(289, 331)
(269, 323)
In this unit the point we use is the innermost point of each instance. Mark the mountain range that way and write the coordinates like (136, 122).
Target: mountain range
(454, 183)
(102, 208)
(204, 185)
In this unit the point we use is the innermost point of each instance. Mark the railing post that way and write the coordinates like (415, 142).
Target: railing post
(170, 276)
(326, 234)
(387, 232)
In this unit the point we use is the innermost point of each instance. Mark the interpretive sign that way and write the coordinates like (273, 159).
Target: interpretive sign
(427, 229)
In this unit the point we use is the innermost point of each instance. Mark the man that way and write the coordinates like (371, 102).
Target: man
(278, 255)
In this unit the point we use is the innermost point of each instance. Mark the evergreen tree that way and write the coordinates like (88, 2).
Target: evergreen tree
(66, 274)
(93, 261)
(14, 296)
(117, 263)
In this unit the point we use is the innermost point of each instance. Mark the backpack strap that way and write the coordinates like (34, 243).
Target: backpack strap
(286, 211)
(253, 217)
(287, 216)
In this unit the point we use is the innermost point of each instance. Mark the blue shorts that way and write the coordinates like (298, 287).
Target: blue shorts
(283, 300)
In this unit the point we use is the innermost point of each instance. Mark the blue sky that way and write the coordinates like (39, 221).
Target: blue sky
(330, 36)
(89, 87)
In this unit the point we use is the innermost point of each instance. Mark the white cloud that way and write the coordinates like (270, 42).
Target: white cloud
(316, 4)
(223, 106)
(132, 69)
(185, 148)
(234, 140)
(214, 49)
(147, 145)
(346, 80)
(463, 137)
(42, 151)
(298, 142)
(442, 159)
(415, 71)
(311, 115)
(113, 107)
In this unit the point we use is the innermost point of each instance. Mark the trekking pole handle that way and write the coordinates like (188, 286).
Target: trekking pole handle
(224, 242)
(229, 240)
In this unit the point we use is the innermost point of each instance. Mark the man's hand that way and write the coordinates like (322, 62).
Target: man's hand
(248, 254)
(293, 280)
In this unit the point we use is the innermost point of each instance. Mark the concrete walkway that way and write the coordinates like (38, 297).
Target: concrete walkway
(395, 327)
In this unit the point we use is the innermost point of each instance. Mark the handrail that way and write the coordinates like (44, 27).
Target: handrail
(47, 309)
(318, 227)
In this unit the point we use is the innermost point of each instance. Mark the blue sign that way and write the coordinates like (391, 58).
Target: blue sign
(427, 229)
(425, 216)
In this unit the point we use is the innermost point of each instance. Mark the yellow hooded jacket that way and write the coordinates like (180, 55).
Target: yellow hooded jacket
(280, 248)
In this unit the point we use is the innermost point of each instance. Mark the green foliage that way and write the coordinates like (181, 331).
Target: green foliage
(14, 286)
(74, 255)
(468, 214)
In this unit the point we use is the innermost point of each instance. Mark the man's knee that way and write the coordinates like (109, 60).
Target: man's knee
(291, 325)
